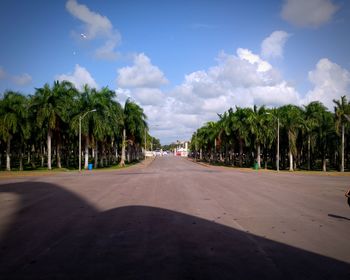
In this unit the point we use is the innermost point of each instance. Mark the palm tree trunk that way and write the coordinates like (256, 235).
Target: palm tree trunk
(86, 163)
(42, 153)
(49, 149)
(324, 164)
(96, 152)
(258, 155)
(290, 161)
(240, 152)
(233, 156)
(58, 151)
(20, 160)
(342, 147)
(8, 157)
(128, 153)
(102, 155)
(201, 154)
(122, 161)
(309, 152)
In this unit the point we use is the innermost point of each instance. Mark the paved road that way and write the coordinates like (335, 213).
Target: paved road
(175, 220)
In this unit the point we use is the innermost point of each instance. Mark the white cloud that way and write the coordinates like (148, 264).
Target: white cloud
(262, 66)
(79, 78)
(141, 74)
(96, 26)
(144, 96)
(309, 13)
(273, 45)
(330, 82)
(241, 79)
(22, 80)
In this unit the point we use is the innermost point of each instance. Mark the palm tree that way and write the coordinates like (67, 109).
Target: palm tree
(84, 104)
(13, 122)
(229, 126)
(325, 131)
(313, 119)
(257, 124)
(213, 132)
(106, 121)
(225, 133)
(291, 120)
(241, 125)
(270, 132)
(134, 125)
(341, 109)
(52, 107)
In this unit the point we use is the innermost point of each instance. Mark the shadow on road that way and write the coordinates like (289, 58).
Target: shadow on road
(55, 234)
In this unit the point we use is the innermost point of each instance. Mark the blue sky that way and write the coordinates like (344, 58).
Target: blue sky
(182, 61)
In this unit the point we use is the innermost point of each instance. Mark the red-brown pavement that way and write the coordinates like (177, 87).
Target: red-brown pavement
(175, 219)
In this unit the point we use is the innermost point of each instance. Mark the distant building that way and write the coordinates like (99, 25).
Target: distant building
(181, 148)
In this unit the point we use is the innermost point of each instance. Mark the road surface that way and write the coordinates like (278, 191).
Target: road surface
(175, 219)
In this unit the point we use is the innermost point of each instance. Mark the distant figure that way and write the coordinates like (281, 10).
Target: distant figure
(347, 194)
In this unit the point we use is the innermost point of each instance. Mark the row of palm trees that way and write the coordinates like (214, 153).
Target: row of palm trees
(42, 129)
(309, 137)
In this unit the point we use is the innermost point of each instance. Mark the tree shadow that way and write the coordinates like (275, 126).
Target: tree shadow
(55, 234)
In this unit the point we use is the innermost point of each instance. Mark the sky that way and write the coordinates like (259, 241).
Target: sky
(182, 61)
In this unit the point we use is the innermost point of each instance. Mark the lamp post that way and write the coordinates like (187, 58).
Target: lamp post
(80, 119)
(152, 126)
(278, 142)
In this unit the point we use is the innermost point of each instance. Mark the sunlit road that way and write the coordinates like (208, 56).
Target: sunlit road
(175, 219)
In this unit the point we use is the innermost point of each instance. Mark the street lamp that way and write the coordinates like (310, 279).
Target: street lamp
(278, 142)
(152, 126)
(80, 119)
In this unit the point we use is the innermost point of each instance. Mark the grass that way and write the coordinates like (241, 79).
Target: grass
(43, 171)
(285, 171)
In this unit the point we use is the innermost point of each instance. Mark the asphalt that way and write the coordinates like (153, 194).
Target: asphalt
(175, 219)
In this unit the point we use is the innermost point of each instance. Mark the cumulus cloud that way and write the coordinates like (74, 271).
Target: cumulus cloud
(273, 45)
(240, 79)
(310, 13)
(330, 82)
(245, 54)
(96, 26)
(141, 74)
(235, 80)
(79, 78)
(144, 96)
(22, 80)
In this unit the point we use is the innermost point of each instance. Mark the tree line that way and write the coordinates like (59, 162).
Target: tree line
(310, 137)
(41, 130)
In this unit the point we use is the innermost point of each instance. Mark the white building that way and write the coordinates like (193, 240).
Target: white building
(181, 148)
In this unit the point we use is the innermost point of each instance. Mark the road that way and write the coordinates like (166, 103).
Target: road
(175, 219)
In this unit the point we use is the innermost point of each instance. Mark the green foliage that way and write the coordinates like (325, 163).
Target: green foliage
(308, 134)
(54, 112)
